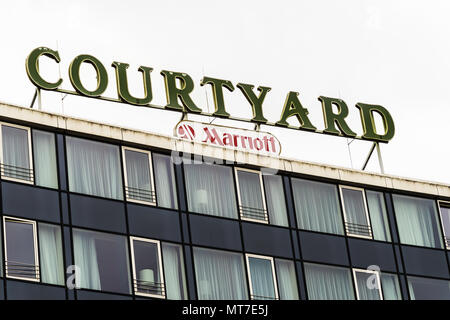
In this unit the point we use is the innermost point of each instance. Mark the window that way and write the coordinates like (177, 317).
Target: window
(445, 219)
(174, 274)
(317, 206)
(166, 192)
(21, 254)
(51, 254)
(94, 168)
(44, 153)
(328, 283)
(378, 216)
(390, 286)
(287, 282)
(367, 284)
(417, 221)
(252, 204)
(356, 216)
(220, 275)
(24, 261)
(428, 289)
(139, 185)
(210, 189)
(102, 260)
(148, 278)
(262, 279)
(276, 203)
(15, 155)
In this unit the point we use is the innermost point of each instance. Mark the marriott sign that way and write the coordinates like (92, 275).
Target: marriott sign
(241, 139)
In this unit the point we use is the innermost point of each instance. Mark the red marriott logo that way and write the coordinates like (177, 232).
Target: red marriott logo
(241, 139)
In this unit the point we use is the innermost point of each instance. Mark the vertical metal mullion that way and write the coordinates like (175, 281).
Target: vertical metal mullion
(127, 227)
(341, 205)
(241, 232)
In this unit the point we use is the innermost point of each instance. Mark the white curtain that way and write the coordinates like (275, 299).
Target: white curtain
(16, 156)
(287, 284)
(378, 216)
(45, 159)
(94, 168)
(276, 203)
(85, 255)
(166, 193)
(317, 206)
(138, 175)
(417, 221)
(210, 189)
(220, 275)
(50, 248)
(355, 212)
(390, 287)
(174, 272)
(365, 291)
(328, 283)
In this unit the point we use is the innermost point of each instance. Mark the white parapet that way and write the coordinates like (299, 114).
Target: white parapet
(132, 136)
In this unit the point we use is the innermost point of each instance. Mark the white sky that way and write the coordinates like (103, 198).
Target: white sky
(392, 53)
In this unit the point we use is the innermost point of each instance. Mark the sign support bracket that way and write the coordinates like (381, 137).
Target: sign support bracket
(380, 160)
(37, 95)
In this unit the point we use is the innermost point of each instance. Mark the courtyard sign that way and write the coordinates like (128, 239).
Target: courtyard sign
(178, 87)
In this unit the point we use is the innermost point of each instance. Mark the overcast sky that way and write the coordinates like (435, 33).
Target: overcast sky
(392, 53)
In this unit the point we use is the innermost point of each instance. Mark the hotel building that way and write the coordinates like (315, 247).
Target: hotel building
(94, 211)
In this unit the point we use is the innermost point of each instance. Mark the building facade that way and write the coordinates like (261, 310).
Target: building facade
(93, 211)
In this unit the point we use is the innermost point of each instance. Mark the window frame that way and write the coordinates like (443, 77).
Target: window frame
(160, 268)
(366, 207)
(444, 204)
(35, 244)
(263, 195)
(249, 275)
(30, 153)
(355, 282)
(152, 179)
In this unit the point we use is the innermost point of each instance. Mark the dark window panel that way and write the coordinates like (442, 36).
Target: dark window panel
(323, 248)
(215, 232)
(154, 223)
(426, 262)
(40, 204)
(96, 213)
(91, 295)
(267, 240)
(365, 253)
(20, 290)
